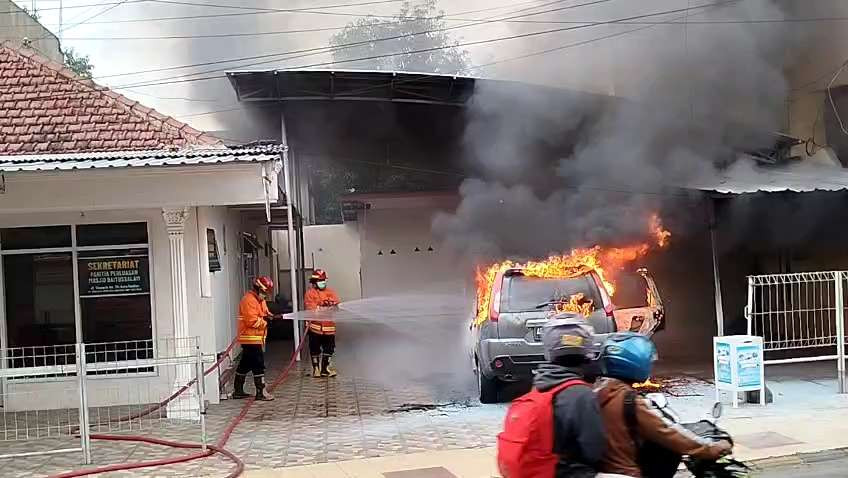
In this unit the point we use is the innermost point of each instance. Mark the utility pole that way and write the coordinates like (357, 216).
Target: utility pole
(59, 34)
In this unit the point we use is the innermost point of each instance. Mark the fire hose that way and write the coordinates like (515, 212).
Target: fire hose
(210, 449)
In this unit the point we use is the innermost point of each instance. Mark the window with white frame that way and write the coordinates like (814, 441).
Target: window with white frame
(88, 283)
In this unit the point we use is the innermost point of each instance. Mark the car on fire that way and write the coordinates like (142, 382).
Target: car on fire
(506, 338)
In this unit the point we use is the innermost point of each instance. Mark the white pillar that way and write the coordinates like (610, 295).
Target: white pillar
(175, 219)
(186, 405)
(292, 244)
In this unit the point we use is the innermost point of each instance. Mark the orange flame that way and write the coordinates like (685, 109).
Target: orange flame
(606, 262)
(648, 385)
(576, 303)
(662, 236)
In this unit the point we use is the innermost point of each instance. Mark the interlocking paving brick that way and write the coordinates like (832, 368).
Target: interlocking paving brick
(312, 421)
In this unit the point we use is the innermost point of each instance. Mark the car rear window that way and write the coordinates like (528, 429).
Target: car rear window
(524, 294)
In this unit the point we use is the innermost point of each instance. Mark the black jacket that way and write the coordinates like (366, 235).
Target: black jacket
(579, 437)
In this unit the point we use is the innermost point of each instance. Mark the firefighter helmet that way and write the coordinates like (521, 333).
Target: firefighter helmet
(319, 275)
(263, 284)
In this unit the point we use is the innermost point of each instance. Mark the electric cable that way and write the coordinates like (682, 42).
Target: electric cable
(186, 78)
(311, 51)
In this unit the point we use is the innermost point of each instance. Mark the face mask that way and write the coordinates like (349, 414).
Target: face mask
(321, 285)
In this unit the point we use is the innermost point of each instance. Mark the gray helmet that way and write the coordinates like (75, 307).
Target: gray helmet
(567, 334)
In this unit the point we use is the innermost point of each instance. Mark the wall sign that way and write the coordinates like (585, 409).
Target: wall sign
(749, 364)
(212, 251)
(723, 371)
(114, 275)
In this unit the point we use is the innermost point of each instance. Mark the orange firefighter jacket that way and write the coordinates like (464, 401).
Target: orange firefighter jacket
(315, 299)
(252, 327)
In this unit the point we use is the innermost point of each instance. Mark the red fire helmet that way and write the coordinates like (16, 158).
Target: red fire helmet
(263, 283)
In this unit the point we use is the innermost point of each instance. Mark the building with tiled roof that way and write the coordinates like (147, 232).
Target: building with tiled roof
(46, 108)
(122, 229)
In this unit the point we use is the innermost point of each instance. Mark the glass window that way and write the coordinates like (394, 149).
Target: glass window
(525, 294)
(112, 234)
(114, 295)
(115, 304)
(40, 308)
(35, 237)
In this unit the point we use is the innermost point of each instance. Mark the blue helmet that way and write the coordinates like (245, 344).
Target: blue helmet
(628, 356)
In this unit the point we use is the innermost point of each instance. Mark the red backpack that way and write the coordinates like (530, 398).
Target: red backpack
(526, 446)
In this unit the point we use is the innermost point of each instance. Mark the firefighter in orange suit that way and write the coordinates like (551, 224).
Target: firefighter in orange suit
(253, 317)
(322, 333)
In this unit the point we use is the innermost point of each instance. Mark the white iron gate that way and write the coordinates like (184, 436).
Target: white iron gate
(800, 316)
(55, 397)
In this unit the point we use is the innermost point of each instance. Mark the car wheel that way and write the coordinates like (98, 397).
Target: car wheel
(489, 388)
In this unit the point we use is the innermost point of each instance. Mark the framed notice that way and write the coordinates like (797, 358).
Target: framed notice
(212, 251)
(120, 275)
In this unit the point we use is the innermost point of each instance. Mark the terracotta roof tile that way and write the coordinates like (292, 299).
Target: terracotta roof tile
(45, 107)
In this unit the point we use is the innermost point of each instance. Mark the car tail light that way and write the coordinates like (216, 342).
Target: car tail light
(495, 304)
(606, 300)
(495, 307)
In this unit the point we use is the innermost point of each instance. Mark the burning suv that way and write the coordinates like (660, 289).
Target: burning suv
(510, 314)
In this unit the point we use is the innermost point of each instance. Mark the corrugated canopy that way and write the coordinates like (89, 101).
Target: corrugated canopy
(134, 159)
(749, 176)
(351, 85)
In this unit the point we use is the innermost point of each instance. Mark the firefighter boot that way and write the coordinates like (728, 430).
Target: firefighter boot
(316, 366)
(327, 369)
(261, 392)
(238, 387)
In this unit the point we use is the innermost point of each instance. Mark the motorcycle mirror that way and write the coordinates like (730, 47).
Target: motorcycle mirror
(717, 410)
(658, 399)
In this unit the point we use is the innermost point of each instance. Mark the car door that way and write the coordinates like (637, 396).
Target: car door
(647, 317)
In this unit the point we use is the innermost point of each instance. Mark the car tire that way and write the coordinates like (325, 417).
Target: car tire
(489, 388)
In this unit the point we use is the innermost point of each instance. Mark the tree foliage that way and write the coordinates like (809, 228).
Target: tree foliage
(80, 64)
(424, 18)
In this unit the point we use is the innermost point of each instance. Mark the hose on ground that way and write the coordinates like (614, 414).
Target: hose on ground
(211, 449)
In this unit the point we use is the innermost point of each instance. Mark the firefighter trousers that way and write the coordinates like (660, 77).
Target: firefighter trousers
(319, 344)
(252, 360)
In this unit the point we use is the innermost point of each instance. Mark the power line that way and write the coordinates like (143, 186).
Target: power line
(102, 4)
(254, 10)
(425, 50)
(326, 49)
(649, 25)
(100, 13)
(310, 10)
(322, 48)
(519, 57)
(398, 20)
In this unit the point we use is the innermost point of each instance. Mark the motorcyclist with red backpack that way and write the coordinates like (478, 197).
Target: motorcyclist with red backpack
(556, 430)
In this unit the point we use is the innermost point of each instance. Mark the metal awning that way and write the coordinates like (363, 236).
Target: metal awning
(750, 176)
(351, 85)
(135, 159)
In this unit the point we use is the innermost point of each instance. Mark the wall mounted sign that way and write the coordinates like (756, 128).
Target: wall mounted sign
(114, 275)
(212, 251)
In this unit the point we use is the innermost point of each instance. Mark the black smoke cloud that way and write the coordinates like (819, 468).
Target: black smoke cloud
(606, 164)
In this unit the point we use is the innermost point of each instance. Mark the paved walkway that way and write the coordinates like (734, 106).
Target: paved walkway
(359, 427)
(312, 421)
(758, 441)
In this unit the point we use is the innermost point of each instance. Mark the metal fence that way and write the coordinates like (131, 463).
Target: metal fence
(800, 316)
(54, 398)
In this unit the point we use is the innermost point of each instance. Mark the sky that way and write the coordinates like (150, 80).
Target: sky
(126, 39)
